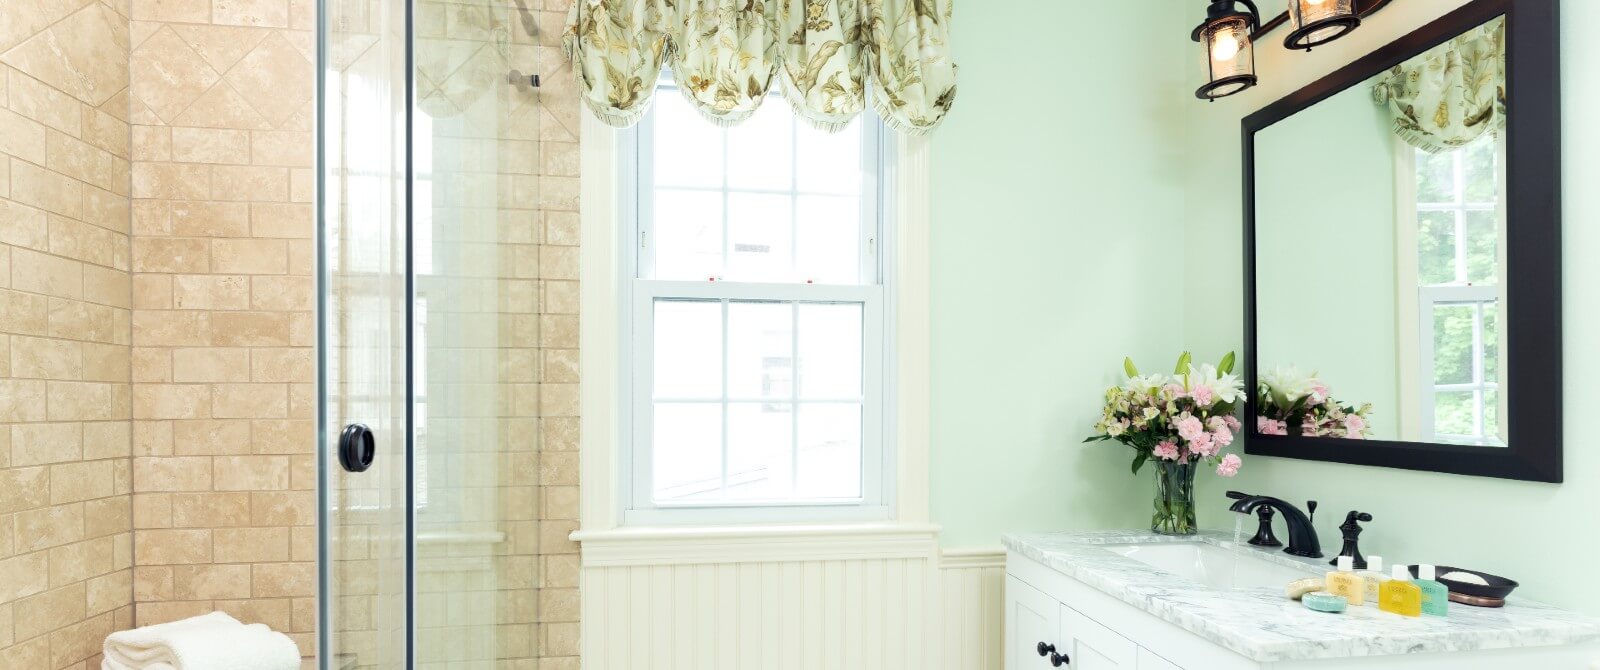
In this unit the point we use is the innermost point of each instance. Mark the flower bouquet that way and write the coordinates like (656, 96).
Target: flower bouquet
(1178, 421)
(1287, 398)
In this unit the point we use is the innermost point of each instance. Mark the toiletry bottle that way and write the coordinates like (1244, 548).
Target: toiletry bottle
(1435, 596)
(1373, 576)
(1399, 595)
(1344, 582)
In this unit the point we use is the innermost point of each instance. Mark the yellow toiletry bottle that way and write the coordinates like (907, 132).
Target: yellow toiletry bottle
(1346, 583)
(1399, 595)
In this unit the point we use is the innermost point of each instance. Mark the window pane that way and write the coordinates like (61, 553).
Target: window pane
(1478, 171)
(761, 226)
(830, 162)
(687, 456)
(688, 234)
(761, 150)
(830, 451)
(830, 351)
(829, 238)
(1452, 344)
(1435, 178)
(1483, 244)
(1491, 343)
(1453, 413)
(688, 349)
(688, 149)
(759, 454)
(1436, 247)
(760, 350)
(1491, 414)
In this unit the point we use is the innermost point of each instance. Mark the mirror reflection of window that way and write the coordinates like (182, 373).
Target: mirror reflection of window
(1456, 276)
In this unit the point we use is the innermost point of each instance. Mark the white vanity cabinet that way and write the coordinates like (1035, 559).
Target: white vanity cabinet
(1034, 619)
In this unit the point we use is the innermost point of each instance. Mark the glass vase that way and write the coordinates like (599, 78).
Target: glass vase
(1174, 504)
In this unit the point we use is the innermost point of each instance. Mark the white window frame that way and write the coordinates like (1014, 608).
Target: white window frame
(635, 162)
(1416, 303)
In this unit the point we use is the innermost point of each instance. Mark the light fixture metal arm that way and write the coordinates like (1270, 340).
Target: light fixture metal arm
(1363, 8)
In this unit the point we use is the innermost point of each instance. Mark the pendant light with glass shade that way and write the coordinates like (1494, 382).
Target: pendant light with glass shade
(1230, 54)
(1317, 22)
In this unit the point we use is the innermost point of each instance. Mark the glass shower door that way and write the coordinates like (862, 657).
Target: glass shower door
(363, 302)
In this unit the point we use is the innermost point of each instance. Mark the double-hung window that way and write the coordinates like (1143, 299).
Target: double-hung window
(1458, 267)
(755, 318)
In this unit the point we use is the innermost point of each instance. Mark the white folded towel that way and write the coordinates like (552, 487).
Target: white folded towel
(212, 641)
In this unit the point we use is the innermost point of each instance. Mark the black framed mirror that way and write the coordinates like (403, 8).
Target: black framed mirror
(1403, 254)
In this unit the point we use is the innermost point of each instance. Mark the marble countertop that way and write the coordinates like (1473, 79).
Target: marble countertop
(1265, 626)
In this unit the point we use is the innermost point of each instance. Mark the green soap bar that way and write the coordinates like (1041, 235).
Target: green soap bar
(1322, 601)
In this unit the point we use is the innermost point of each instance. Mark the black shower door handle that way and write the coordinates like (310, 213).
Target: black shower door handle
(357, 447)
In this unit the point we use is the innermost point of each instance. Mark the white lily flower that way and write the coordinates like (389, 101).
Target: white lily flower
(1225, 387)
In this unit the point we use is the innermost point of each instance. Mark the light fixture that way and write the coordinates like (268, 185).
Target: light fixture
(1230, 55)
(1316, 22)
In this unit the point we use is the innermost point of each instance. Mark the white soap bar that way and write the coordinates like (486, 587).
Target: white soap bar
(1464, 578)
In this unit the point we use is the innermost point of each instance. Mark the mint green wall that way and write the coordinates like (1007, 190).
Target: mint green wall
(1325, 240)
(1540, 534)
(1056, 250)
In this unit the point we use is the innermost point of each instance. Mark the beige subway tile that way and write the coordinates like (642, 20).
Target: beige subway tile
(43, 103)
(211, 219)
(303, 401)
(302, 257)
(171, 473)
(279, 580)
(46, 190)
(108, 592)
(152, 143)
(282, 365)
(80, 401)
(76, 482)
(214, 364)
(251, 473)
(303, 543)
(215, 292)
(49, 527)
(41, 443)
(106, 131)
(24, 226)
(251, 545)
(42, 613)
(171, 181)
(171, 255)
(24, 488)
(152, 328)
(26, 314)
(183, 11)
(303, 472)
(150, 364)
(283, 508)
(151, 291)
(210, 145)
(43, 273)
(273, 612)
(282, 294)
(252, 183)
(302, 185)
(85, 162)
(171, 401)
(105, 362)
(152, 510)
(172, 547)
(106, 439)
(42, 358)
(207, 582)
(150, 614)
(249, 329)
(152, 583)
(210, 510)
(288, 220)
(107, 286)
(152, 438)
(249, 401)
(283, 436)
(79, 561)
(108, 516)
(259, 13)
(91, 244)
(78, 320)
(111, 211)
(211, 437)
(250, 256)
(22, 137)
(280, 148)
(34, 653)
(25, 575)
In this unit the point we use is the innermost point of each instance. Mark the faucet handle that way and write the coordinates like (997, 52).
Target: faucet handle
(1237, 495)
(1311, 508)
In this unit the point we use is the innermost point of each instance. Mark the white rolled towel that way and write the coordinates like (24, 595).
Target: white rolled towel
(212, 641)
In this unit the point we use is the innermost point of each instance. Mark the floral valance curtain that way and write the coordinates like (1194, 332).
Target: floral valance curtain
(727, 54)
(1451, 94)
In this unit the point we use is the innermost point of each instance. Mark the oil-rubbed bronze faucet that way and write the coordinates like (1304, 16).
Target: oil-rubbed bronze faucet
(1302, 536)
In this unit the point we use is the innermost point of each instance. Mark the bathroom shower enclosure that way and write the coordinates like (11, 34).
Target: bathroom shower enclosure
(429, 333)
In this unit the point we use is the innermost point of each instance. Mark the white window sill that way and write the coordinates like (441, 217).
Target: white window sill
(677, 545)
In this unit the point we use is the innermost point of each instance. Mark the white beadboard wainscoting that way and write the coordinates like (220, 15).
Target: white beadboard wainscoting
(874, 599)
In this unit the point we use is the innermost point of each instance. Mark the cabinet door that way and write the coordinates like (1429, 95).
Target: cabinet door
(1031, 618)
(1093, 646)
(1149, 661)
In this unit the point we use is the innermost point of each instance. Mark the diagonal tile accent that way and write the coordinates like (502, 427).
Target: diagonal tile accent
(81, 55)
(274, 78)
(168, 76)
(222, 107)
(221, 46)
(22, 20)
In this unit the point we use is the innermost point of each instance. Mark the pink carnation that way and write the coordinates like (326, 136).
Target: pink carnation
(1215, 424)
(1229, 465)
(1167, 450)
(1355, 424)
(1189, 427)
(1202, 395)
(1268, 426)
(1231, 421)
(1222, 437)
(1202, 445)
(1173, 390)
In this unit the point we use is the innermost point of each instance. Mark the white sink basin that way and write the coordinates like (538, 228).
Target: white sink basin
(1211, 565)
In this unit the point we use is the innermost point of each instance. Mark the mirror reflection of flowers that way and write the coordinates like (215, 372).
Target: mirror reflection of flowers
(1185, 417)
(1286, 397)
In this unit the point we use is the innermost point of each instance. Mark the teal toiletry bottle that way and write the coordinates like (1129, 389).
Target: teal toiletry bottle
(1435, 596)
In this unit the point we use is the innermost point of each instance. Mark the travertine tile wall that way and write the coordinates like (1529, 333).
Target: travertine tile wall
(223, 370)
(65, 545)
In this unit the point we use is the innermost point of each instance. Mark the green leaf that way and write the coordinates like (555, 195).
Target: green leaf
(1183, 364)
(1226, 366)
(1138, 461)
(1128, 367)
